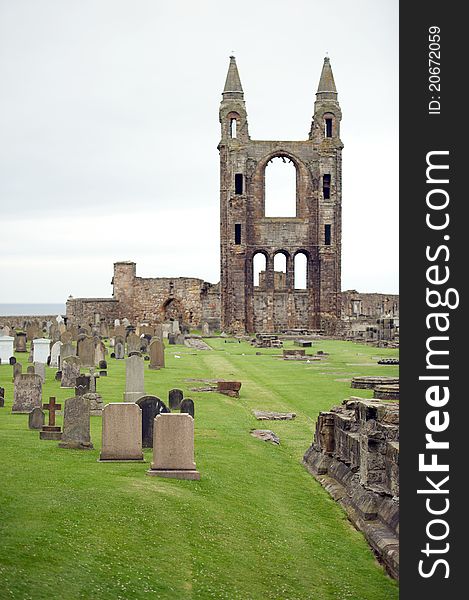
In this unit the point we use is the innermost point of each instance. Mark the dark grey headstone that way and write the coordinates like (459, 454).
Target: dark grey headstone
(31, 370)
(103, 373)
(113, 355)
(102, 364)
(36, 418)
(187, 406)
(58, 376)
(151, 407)
(83, 381)
(12, 360)
(175, 399)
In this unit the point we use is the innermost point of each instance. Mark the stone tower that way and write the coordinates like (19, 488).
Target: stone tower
(315, 232)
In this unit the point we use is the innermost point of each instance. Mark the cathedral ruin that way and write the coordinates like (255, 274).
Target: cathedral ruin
(310, 240)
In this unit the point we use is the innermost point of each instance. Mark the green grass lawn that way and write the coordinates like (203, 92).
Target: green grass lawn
(256, 526)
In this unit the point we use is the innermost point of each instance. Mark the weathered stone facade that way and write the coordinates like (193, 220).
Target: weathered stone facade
(355, 456)
(315, 231)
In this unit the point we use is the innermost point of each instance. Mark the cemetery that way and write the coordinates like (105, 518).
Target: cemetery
(144, 485)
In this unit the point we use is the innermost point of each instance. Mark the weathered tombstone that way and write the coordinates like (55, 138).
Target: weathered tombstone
(102, 364)
(133, 343)
(55, 355)
(40, 369)
(58, 376)
(175, 399)
(32, 331)
(205, 329)
(12, 360)
(99, 353)
(134, 379)
(96, 403)
(51, 431)
(103, 373)
(76, 427)
(93, 377)
(67, 349)
(28, 393)
(83, 381)
(65, 337)
(172, 337)
(187, 406)
(36, 418)
(6, 348)
(41, 350)
(17, 370)
(156, 354)
(151, 407)
(20, 342)
(70, 371)
(85, 351)
(31, 370)
(119, 348)
(122, 432)
(173, 447)
(180, 339)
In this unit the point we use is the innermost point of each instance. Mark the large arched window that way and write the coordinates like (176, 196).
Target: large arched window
(259, 265)
(301, 271)
(280, 187)
(280, 271)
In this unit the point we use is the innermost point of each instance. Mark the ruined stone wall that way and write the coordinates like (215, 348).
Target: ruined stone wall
(375, 306)
(21, 321)
(90, 311)
(355, 456)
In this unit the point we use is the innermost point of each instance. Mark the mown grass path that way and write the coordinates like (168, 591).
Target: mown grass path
(256, 526)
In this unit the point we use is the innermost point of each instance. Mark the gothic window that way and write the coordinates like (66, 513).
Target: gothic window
(301, 271)
(326, 187)
(280, 187)
(259, 266)
(280, 271)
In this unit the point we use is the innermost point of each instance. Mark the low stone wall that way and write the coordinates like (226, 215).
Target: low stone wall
(355, 457)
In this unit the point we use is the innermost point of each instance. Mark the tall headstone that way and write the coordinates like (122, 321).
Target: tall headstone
(133, 343)
(151, 407)
(156, 354)
(36, 418)
(122, 432)
(28, 393)
(40, 369)
(17, 370)
(99, 353)
(55, 355)
(85, 349)
(41, 350)
(119, 347)
(175, 399)
(187, 406)
(67, 349)
(2, 397)
(6, 348)
(134, 378)
(173, 447)
(76, 425)
(70, 371)
(20, 342)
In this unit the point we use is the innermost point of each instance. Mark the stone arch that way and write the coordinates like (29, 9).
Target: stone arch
(173, 310)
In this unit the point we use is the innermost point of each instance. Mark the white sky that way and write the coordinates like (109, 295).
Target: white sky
(109, 131)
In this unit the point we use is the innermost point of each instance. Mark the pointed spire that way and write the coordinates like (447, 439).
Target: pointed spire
(233, 87)
(326, 87)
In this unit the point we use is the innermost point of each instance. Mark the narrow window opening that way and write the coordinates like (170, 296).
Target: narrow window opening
(233, 126)
(301, 271)
(238, 234)
(259, 266)
(326, 187)
(328, 128)
(238, 183)
(327, 235)
(280, 271)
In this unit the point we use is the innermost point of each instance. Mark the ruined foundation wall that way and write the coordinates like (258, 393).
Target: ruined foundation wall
(355, 457)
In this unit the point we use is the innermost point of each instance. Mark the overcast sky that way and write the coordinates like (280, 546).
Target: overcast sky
(109, 131)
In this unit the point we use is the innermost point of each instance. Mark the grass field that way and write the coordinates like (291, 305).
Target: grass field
(256, 526)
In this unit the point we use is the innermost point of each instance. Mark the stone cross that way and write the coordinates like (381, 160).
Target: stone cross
(52, 407)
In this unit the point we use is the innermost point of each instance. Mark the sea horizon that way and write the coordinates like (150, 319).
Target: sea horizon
(37, 309)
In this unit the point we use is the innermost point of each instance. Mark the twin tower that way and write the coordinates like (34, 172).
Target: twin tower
(273, 303)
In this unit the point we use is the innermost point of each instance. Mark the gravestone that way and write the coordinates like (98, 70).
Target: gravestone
(122, 432)
(28, 393)
(187, 406)
(58, 376)
(6, 348)
(134, 379)
(173, 447)
(17, 370)
(12, 360)
(133, 343)
(102, 364)
(156, 354)
(65, 337)
(85, 351)
(2, 397)
(41, 350)
(20, 342)
(76, 426)
(119, 348)
(70, 371)
(151, 407)
(67, 349)
(83, 381)
(96, 403)
(175, 399)
(51, 431)
(31, 370)
(172, 337)
(40, 369)
(32, 331)
(205, 329)
(36, 418)
(99, 353)
(55, 355)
